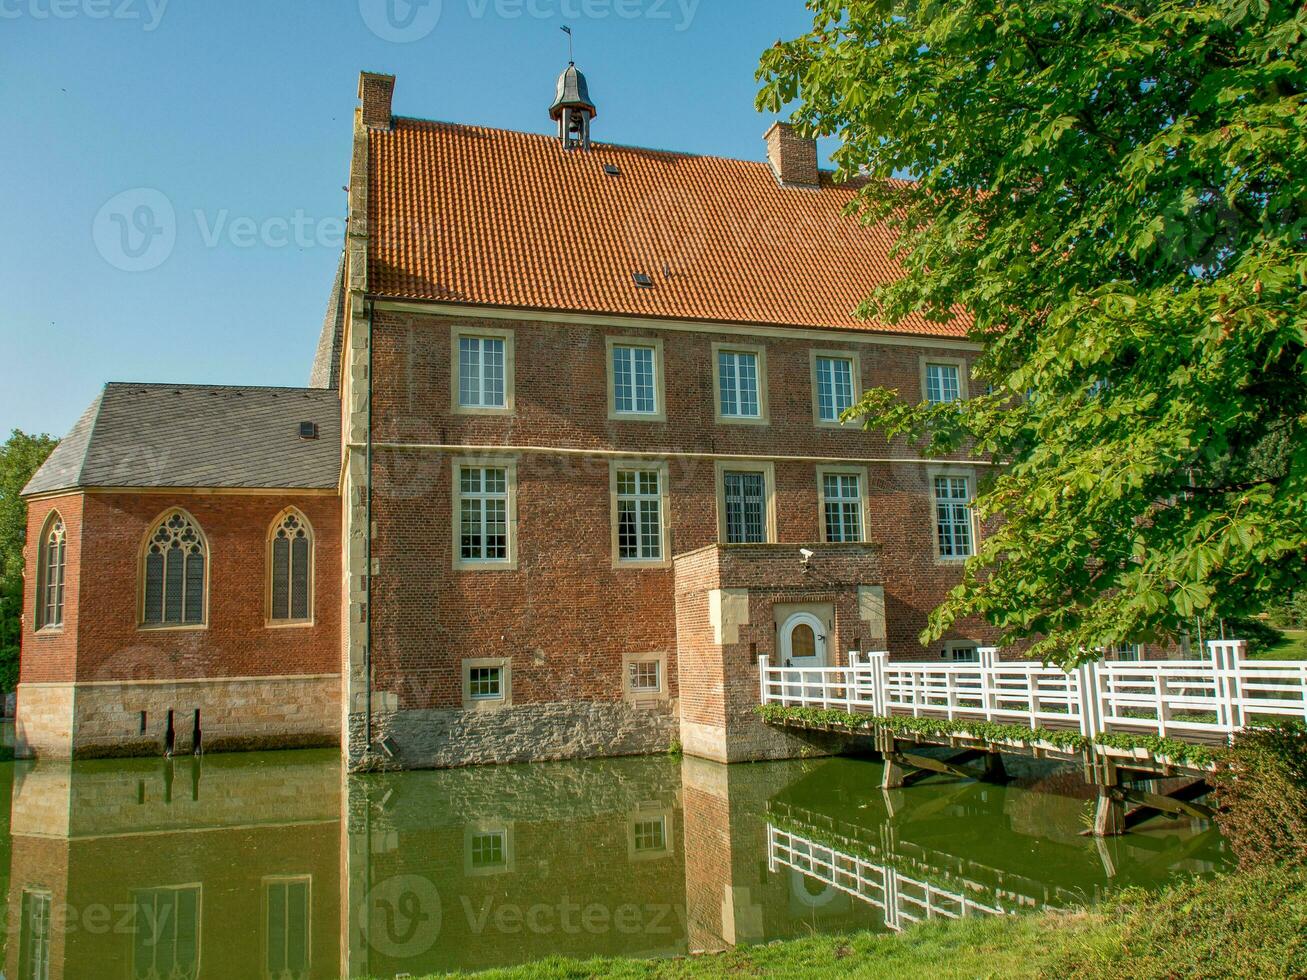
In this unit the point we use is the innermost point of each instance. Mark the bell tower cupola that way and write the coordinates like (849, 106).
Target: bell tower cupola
(573, 110)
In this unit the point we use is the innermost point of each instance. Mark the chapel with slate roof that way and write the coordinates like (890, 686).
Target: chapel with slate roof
(572, 458)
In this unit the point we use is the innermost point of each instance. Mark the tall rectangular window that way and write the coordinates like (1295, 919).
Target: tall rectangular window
(842, 499)
(737, 385)
(953, 516)
(481, 372)
(34, 936)
(745, 497)
(286, 903)
(639, 515)
(483, 513)
(943, 383)
(166, 939)
(635, 383)
(835, 387)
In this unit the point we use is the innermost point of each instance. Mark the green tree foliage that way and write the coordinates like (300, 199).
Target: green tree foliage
(19, 458)
(1261, 785)
(1116, 194)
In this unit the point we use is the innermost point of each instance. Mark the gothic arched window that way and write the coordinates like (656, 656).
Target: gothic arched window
(175, 572)
(50, 574)
(290, 569)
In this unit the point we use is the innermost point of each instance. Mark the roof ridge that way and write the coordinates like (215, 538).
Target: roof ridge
(209, 387)
(595, 144)
(90, 434)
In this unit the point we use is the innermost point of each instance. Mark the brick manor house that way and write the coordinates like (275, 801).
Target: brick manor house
(569, 463)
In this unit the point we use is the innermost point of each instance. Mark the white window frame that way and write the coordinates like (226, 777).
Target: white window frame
(509, 465)
(860, 473)
(271, 620)
(142, 577)
(488, 828)
(640, 694)
(44, 621)
(961, 653)
(482, 703)
(457, 334)
(957, 363)
(768, 471)
(759, 354)
(663, 472)
(815, 358)
(952, 474)
(649, 814)
(653, 344)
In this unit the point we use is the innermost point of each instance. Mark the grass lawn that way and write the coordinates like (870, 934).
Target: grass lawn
(1292, 647)
(1251, 924)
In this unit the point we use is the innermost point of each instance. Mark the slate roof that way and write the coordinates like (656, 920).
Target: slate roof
(468, 214)
(156, 435)
(326, 360)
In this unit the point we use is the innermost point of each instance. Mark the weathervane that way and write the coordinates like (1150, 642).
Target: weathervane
(571, 55)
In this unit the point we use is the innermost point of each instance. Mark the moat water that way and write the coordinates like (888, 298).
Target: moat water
(277, 865)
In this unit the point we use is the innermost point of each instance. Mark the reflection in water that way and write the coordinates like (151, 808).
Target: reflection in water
(279, 866)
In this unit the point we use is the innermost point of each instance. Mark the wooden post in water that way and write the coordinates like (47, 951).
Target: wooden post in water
(895, 775)
(1109, 810)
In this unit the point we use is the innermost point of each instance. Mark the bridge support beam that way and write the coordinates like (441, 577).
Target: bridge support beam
(902, 769)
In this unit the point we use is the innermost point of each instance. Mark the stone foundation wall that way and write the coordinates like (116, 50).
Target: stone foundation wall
(43, 725)
(131, 718)
(446, 738)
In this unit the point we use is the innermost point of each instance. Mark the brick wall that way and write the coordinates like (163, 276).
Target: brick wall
(75, 691)
(565, 616)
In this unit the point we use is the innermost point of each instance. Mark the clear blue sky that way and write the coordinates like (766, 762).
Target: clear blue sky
(241, 109)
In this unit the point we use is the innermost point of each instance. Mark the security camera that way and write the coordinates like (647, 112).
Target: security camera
(806, 553)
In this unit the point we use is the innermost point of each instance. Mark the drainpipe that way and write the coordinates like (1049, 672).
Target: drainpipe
(367, 552)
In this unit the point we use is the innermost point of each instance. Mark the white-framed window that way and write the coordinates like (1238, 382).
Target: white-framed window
(1125, 652)
(842, 505)
(484, 512)
(288, 917)
(50, 574)
(166, 932)
(34, 935)
(740, 383)
(644, 676)
(953, 527)
(649, 832)
(943, 382)
(290, 569)
(639, 501)
(962, 653)
(487, 847)
(635, 378)
(481, 372)
(174, 573)
(835, 385)
(744, 494)
(482, 363)
(486, 683)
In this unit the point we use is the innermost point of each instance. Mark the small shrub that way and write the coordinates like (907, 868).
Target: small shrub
(1261, 790)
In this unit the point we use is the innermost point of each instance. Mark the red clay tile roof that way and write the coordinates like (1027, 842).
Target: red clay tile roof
(465, 214)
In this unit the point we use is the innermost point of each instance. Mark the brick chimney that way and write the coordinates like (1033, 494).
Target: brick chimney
(793, 158)
(375, 92)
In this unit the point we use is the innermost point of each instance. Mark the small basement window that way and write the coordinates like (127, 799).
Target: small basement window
(308, 430)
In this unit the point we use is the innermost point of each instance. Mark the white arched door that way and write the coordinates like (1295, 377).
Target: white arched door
(803, 644)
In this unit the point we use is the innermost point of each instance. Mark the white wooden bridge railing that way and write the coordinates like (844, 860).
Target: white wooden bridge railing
(1196, 699)
(904, 900)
